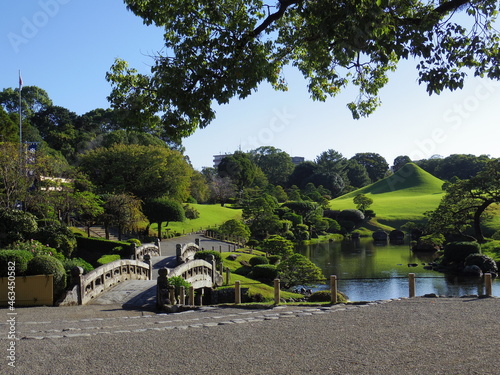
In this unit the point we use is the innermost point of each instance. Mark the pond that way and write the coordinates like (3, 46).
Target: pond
(367, 271)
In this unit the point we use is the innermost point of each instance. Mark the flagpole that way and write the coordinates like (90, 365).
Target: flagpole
(20, 113)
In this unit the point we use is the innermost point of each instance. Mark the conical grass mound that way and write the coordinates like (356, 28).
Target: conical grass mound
(410, 179)
(403, 196)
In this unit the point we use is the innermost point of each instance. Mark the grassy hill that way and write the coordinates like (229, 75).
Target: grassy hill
(399, 198)
(210, 215)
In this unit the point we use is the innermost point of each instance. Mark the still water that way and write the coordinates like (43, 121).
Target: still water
(368, 272)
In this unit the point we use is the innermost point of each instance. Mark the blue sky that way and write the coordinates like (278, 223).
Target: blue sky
(67, 46)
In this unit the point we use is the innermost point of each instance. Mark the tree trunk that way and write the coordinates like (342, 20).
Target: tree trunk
(159, 230)
(477, 220)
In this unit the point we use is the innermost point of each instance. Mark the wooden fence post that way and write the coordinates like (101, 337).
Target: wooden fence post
(333, 288)
(277, 297)
(487, 284)
(237, 292)
(228, 275)
(411, 278)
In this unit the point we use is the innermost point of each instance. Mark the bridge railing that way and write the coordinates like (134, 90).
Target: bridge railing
(151, 249)
(197, 272)
(98, 281)
(186, 252)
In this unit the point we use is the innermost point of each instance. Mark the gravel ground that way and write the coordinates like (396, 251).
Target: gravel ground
(407, 336)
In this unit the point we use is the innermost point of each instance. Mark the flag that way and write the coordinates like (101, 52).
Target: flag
(20, 81)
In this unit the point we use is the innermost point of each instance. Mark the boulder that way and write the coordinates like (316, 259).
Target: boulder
(473, 271)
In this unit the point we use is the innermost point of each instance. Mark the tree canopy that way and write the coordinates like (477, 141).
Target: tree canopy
(466, 201)
(217, 51)
(145, 171)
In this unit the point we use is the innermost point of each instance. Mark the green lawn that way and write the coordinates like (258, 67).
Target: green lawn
(254, 286)
(211, 215)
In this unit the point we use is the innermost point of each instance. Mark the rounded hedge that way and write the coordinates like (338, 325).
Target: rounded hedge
(47, 265)
(21, 259)
(108, 258)
(16, 225)
(487, 264)
(274, 259)
(69, 264)
(456, 252)
(204, 254)
(134, 241)
(59, 237)
(265, 272)
(258, 260)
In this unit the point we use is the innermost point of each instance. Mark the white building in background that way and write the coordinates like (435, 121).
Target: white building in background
(218, 159)
(297, 160)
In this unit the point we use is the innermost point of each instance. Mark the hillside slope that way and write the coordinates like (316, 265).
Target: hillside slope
(402, 197)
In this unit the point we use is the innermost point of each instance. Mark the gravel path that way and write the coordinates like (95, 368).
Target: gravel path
(406, 336)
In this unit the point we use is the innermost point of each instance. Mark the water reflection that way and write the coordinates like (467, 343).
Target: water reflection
(369, 271)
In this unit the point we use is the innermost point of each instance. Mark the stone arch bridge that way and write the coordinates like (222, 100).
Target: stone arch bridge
(133, 283)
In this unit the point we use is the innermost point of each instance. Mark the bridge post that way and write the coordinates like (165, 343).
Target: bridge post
(191, 295)
(178, 252)
(158, 244)
(133, 251)
(147, 260)
(76, 273)
(197, 241)
(161, 287)
(182, 296)
(171, 293)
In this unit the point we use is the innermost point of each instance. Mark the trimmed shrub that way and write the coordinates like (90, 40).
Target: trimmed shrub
(258, 260)
(134, 241)
(204, 254)
(191, 212)
(326, 296)
(47, 265)
(278, 245)
(484, 262)
(91, 249)
(69, 264)
(456, 252)
(356, 216)
(20, 257)
(36, 248)
(59, 237)
(274, 259)
(108, 259)
(16, 226)
(264, 272)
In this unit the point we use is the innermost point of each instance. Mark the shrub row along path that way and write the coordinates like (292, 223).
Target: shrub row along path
(142, 294)
(405, 336)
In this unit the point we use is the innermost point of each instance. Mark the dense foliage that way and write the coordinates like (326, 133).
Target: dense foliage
(217, 51)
